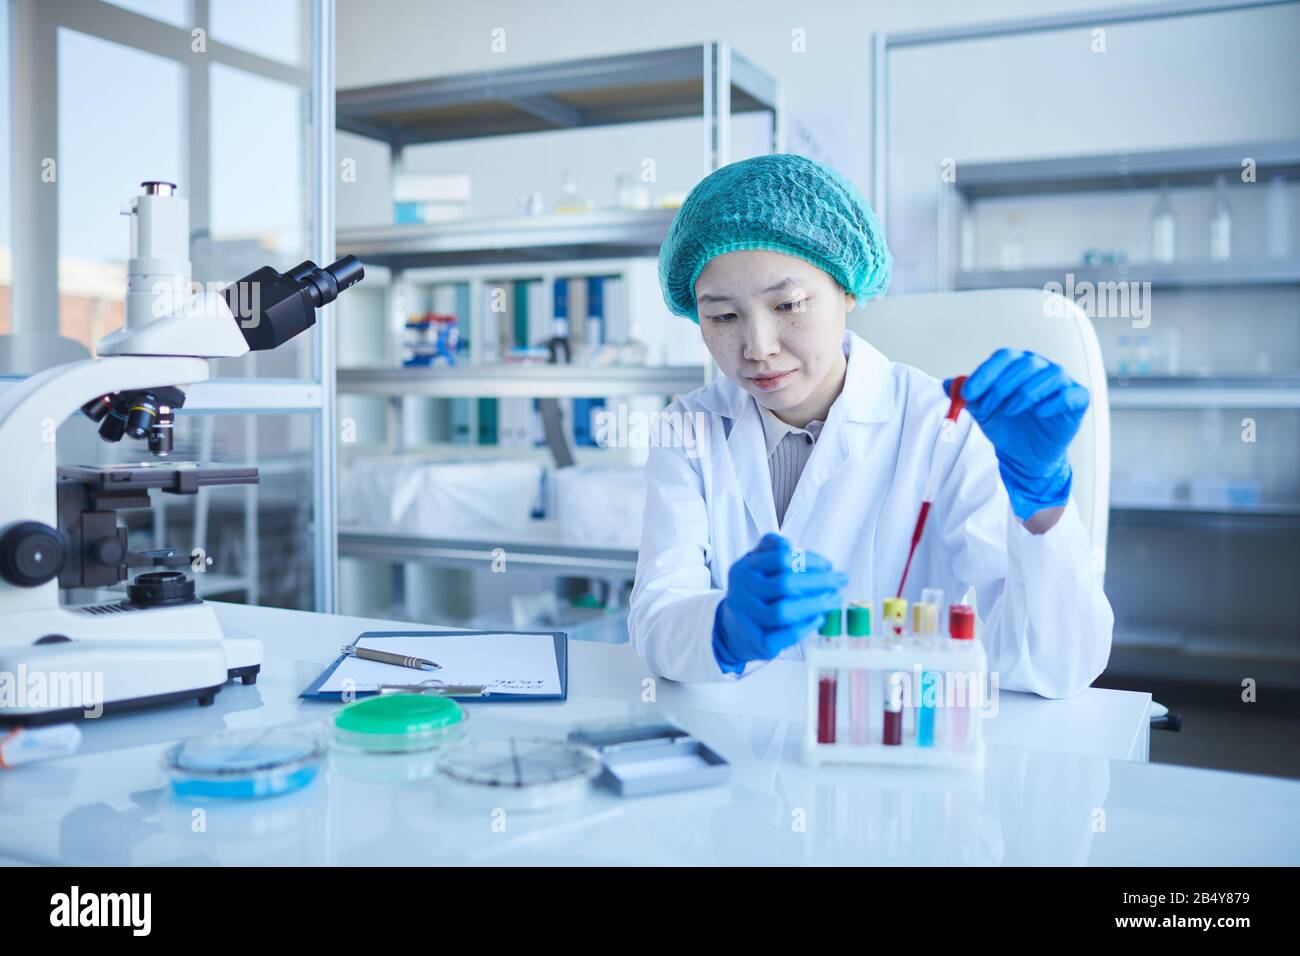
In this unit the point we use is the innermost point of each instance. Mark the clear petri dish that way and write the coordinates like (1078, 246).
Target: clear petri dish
(244, 764)
(519, 773)
(397, 724)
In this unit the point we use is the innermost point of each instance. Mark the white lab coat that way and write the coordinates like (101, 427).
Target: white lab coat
(1046, 622)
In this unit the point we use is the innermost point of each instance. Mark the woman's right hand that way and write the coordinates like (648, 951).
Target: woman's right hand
(775, 595)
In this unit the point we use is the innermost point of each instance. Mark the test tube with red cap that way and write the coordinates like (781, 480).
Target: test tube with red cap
(961, 703)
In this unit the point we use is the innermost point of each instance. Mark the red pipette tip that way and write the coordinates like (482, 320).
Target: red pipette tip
(958, 403)
(954, 409)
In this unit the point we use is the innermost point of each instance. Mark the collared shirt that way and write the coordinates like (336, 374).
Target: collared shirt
(788, 451)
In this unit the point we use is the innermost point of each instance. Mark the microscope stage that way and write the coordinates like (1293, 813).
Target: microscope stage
(184, 477)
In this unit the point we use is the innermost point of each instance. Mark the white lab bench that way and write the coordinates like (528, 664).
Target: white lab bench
(1066, 782)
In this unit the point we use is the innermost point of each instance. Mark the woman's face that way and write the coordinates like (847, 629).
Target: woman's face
(775, 326)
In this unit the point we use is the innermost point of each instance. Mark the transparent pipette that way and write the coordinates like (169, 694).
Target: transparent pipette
(954, 409)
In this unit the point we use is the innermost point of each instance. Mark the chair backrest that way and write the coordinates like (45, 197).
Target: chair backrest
(950, 333)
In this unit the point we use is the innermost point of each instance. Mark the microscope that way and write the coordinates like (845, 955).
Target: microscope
(58, 526)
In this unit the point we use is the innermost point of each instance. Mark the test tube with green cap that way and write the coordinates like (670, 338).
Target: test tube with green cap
(827, 685)
(859, 619)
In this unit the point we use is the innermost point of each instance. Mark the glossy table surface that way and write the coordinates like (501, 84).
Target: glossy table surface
(1065, 782)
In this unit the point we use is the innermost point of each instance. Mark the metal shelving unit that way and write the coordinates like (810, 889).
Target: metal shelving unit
(1110, 171)
(534, 551)
(1274, 524)
(599, 91)
(521, 381)
(1262, 519)
(1196, 166)
(1186, 391)
(1178, 275)
(545, 238)
(708, 81)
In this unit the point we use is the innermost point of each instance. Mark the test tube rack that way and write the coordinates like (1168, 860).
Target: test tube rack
(961, 663)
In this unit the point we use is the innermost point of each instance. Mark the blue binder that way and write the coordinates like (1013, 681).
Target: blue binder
(313, 692)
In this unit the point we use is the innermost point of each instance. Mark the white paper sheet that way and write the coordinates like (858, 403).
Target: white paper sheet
(502, 663)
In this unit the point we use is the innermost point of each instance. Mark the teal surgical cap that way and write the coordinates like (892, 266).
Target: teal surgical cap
(780, 202)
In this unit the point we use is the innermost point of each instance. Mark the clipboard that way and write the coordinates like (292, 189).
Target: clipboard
(560, 638)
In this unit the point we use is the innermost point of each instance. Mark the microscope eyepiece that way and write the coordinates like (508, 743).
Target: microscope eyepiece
(272, 307)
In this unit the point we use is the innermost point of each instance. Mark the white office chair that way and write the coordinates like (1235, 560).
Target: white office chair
(951, 333)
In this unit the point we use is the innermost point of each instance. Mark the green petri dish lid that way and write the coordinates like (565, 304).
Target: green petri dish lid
(399, 715)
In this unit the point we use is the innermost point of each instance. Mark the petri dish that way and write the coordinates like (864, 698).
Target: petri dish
(519, 773)
(244, 764)
(398, 723)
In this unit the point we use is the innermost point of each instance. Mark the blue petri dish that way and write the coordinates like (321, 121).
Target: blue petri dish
(244, 764)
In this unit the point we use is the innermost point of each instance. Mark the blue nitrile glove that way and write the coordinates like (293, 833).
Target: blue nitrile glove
(1030, 410)
(770, 605)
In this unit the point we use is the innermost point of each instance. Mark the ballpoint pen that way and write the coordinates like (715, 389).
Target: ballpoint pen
(436, 689)
(386, 657)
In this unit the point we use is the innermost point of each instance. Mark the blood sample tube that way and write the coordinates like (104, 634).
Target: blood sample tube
(895, 617)
(893, 728)
(827, 685)
(859, 619)
(961, 628)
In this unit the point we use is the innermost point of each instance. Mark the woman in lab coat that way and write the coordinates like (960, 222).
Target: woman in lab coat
(791, 484)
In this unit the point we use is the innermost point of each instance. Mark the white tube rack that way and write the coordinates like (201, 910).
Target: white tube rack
(877, 657)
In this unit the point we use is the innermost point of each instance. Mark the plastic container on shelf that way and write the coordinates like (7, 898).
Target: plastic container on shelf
(1164, 228)
(600, 504)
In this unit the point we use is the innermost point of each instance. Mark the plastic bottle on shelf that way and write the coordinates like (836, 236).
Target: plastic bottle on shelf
(1164, 228)
(570, 200)
(967, 254)
(1012, 255)
(1221, 222)
(1123, 356)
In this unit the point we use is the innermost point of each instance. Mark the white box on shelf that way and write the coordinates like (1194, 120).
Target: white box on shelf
(600, 504)
(959, 696)
(436, 497)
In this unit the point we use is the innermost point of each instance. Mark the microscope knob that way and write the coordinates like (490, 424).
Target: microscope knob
(108, 550)
(31, 554)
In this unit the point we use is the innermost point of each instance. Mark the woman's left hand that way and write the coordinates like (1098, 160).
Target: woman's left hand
(1030, 409)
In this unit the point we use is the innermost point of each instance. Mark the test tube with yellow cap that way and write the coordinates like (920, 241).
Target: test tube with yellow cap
(859, 621)
(895, 618)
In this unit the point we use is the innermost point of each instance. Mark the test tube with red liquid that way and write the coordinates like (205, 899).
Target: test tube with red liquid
(895, 623)
(827, 684)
